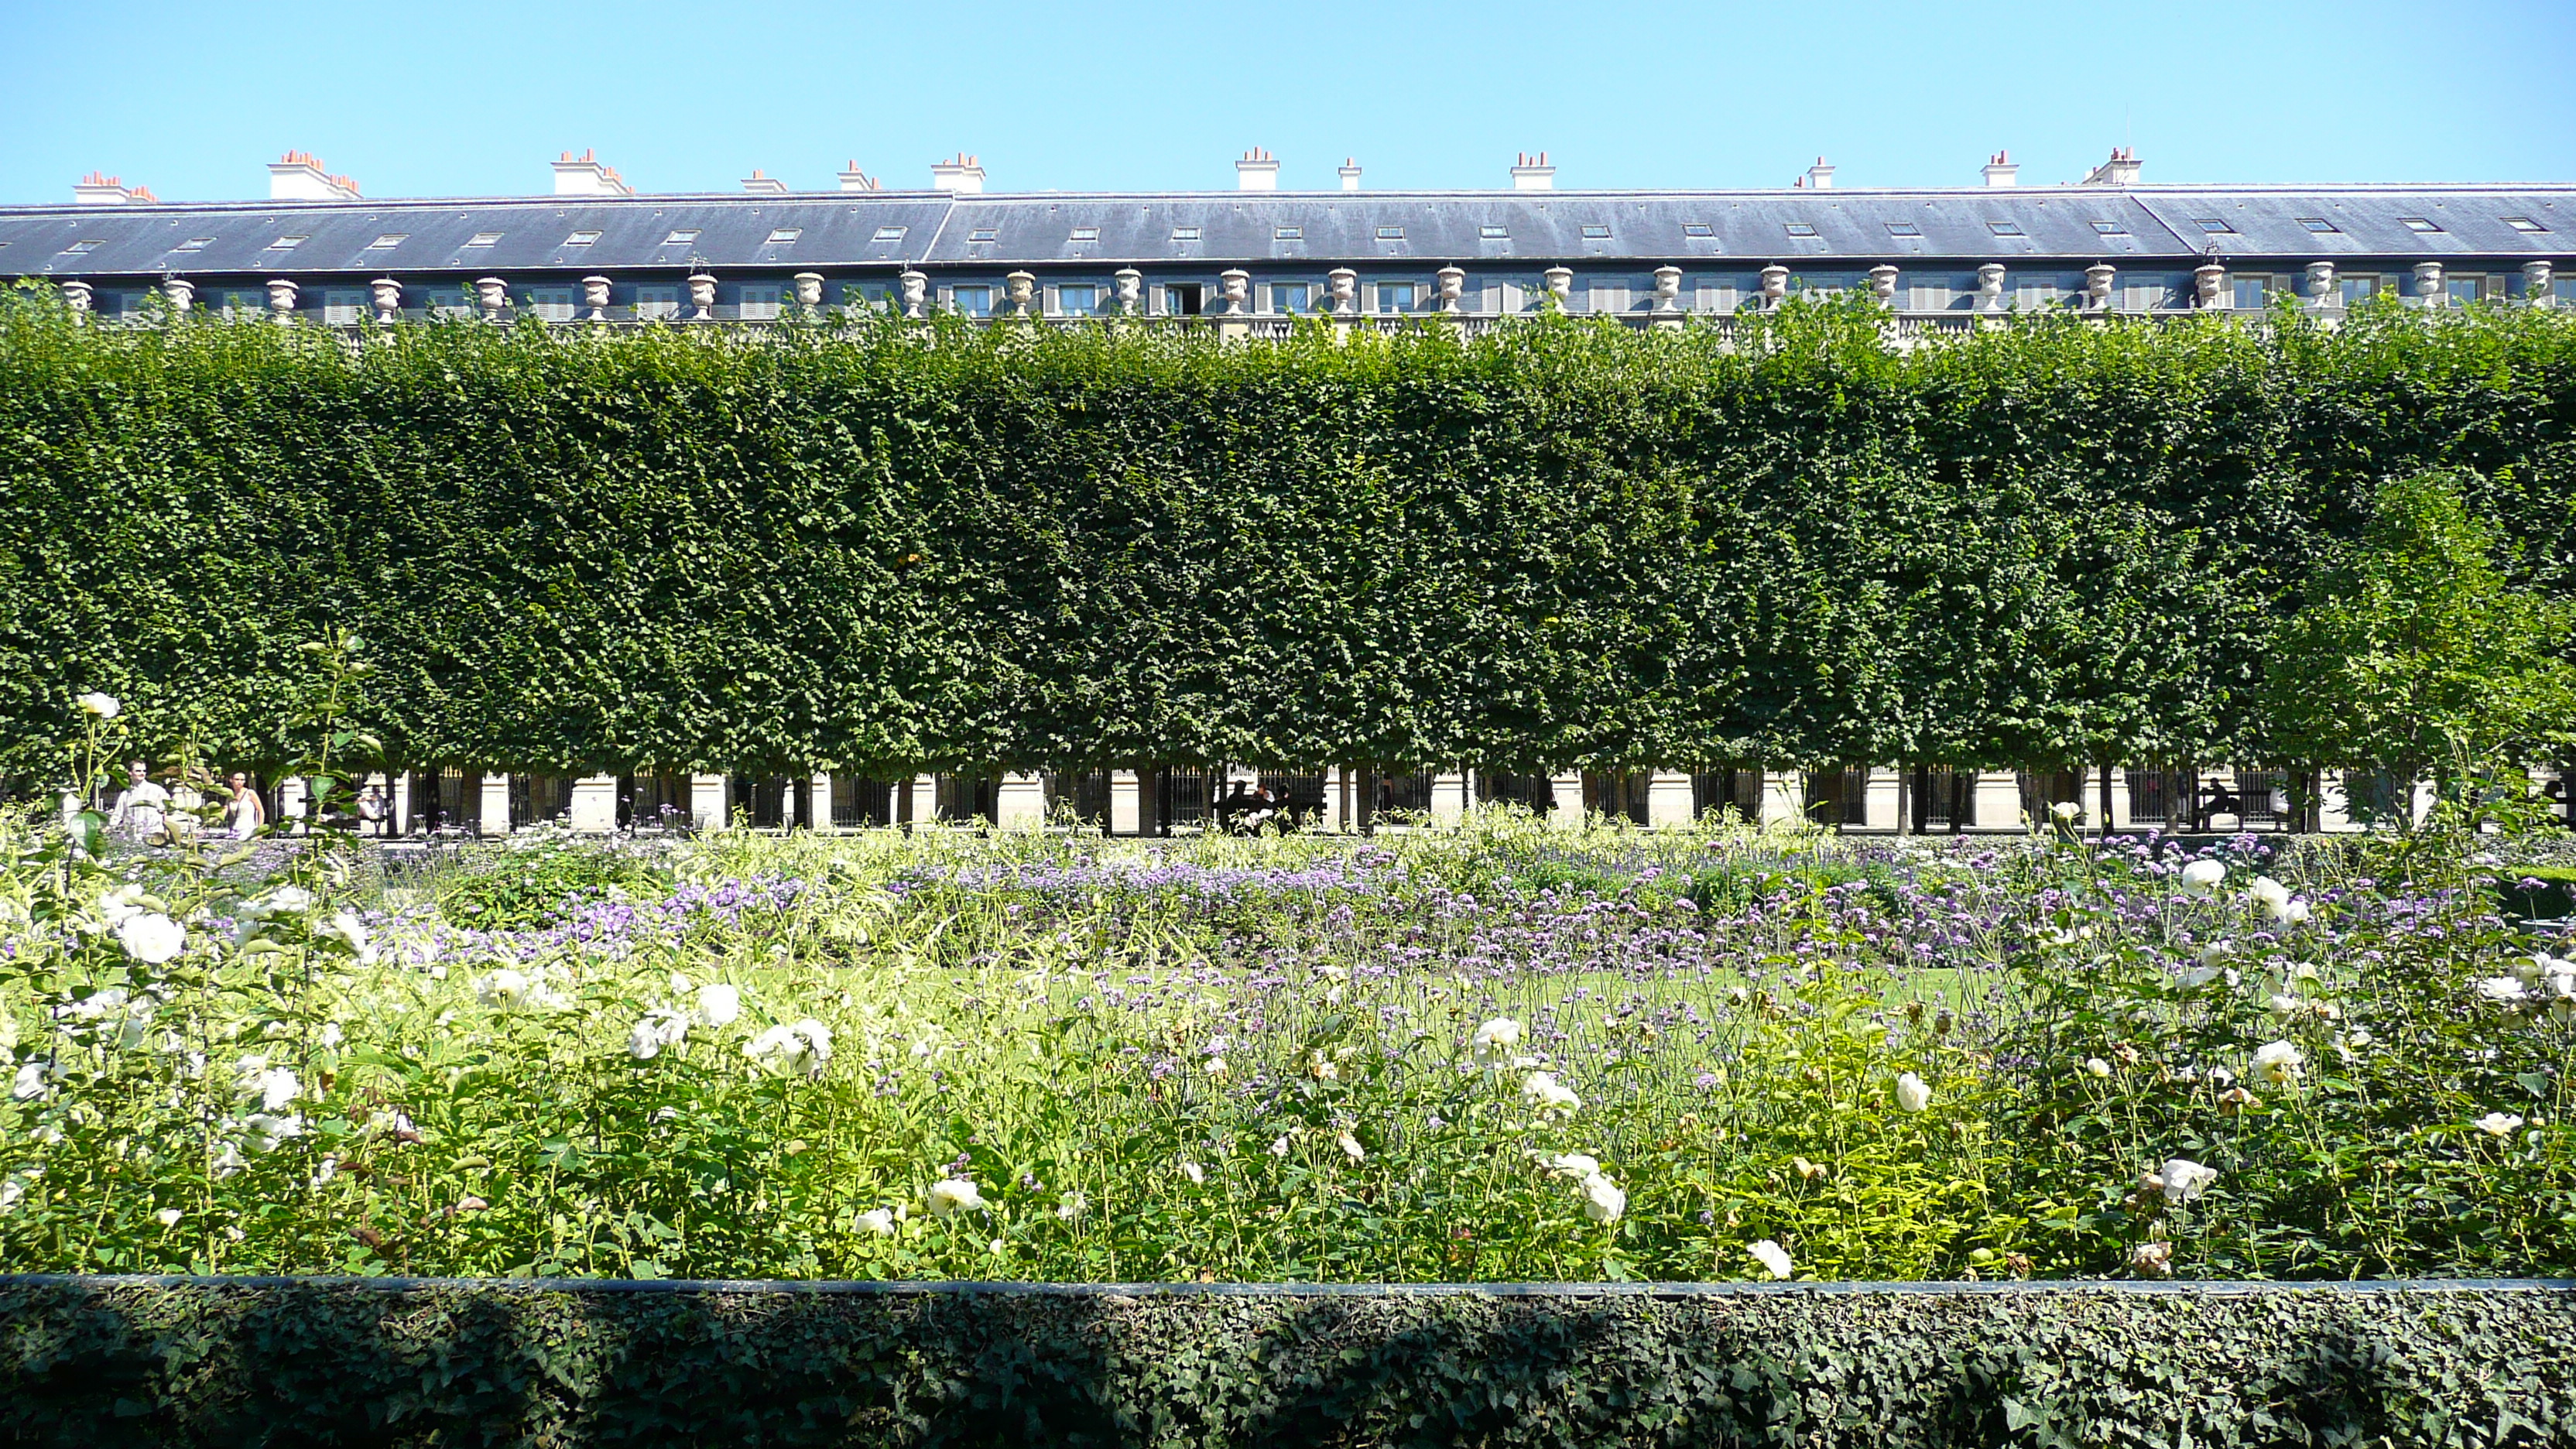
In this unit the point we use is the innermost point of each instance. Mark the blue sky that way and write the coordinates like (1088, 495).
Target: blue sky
(474, 98)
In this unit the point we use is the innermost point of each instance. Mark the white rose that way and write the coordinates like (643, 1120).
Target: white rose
(1549, 1094)
(151, 938)
(1911, 1094)
(2498, 1124)
(102, 705)
(1351, 1147)
(1576, 1165)
(659, 1030)
(2278, 1063)
(1773, 1257)
(954, 1195)
(1603, 1200)
(878, 1221)
(2201, 877)
(503, 990)
(1493, 1042)
(2185, 1180)
(718, 1004)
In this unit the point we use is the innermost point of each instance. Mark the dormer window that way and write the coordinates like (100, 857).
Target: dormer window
(685, 236)
(581, 239)
(286, 244)
(784, 236)
(2523, 223)
(1390, 233)
(2004, 228)
(1287, 233)
(1903, 228)
(483, 239)
(2419, 224)
(884, 234)
(2319, 225)
(1596, 233)
(1085, 234)
(1698, 229)
(2214, 226)
(1185, 233)
(1493, 233)
(1800, 228)
(982, 234)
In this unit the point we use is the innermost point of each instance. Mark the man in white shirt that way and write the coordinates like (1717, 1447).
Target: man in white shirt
(143, 811)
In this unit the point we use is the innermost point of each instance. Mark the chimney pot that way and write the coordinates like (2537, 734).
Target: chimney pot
(1257, 171)
(1532, 173)
(2001, 171)
(1350, 174)
(1820, 175)
(963, 176)
(299, 177)
(586, 177)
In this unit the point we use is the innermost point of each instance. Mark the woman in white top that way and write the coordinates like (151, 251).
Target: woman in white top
(244, 814)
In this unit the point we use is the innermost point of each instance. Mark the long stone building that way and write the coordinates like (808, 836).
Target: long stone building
(1256, 260)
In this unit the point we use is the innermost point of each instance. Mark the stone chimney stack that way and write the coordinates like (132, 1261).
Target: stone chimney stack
(1350, 174)
(97, 190)
(298, 176)
(1820, 176)
(1257, 171)
(2121, 170)
(964, 176)
(854, 179)
(2001, 171)
(584, 176)
(758, 185)
(1532, 173)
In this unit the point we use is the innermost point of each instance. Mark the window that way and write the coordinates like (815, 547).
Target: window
(581, 239)
(194, 244)
(1596, 233)
(2253, 293)
(1077, 300)
(1390, 233)
(286, 244)
(2212, 225)
(2319, 225)
(1800, 228)
(82, 248)
(1394, 296)
(1903, 228)
(2523, 223)
(2109, 228)
(2033, 295)
(2418, 224)
(550, 304)
(1181, 299)
(1493, 233)
(1698, 228)
(974, 301)
(685, 236)
(2005, 228)
(2357, 290)
(982, 234)
(1289, 297)
(1084, 234)
(343, 308)
(784, 236)
(657, 302)
(884, 234)
(1185, 233)
(1607, 295)
(384, 243)
(1929, 296)
(2143, 296)
(1287, 233)
(759, 304)
(2464, 290)
(482, 238)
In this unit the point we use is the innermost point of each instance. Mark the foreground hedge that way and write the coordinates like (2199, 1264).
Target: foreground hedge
(388, 1362)
(880, 549)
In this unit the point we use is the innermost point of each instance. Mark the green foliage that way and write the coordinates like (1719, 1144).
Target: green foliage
(114, 1362)
(857, 547)
(2415, 653)
(542, 876)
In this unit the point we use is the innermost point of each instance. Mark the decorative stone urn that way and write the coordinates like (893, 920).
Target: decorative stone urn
(1342, 289)
(2099, 279)
(1882, 282)
(281, 301)
(1559, 282)
(492, 295)
(1130, 291)
(2537, 285)
(915, 289)
(1775, 285)
(2428, 284)
(1450, 288)
(1668, 289)
(2209, 286)
(76, 295)
(809, 290)
(388, 299)
(181, 292)
(594, 295)
(1990, 287)
(2321, 284)
(702, 297)
(1022, 289)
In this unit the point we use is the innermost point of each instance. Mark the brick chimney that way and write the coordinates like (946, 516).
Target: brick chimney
(298, 176)
(2001, 171)
(1257, 171)
(584, 176)
(1532, 173)
(964, 176)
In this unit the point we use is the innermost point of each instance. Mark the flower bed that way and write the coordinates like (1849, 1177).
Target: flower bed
(1499, 1054)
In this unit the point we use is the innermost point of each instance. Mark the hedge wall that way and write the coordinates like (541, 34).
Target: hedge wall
(95, 1362)
(880, 547)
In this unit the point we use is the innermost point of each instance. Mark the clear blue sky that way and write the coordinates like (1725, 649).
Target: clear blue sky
(474, 98)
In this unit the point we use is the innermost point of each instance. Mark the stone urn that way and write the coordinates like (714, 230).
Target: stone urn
(387, 295)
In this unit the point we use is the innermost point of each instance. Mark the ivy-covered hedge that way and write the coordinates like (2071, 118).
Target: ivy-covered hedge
(97, 1362)
(881, 547)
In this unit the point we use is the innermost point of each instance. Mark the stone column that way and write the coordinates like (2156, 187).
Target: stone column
(2538, 287)
(594, 295)
(1775, 285)
(1565, 812)
(914, 287)
(594, 804)
(822, 788)
(2334, 802)
(1998, 795)
(76, 296)
(1126, 803)
(2428, 284)
(702, 297)
(2321, 285)
(1669, 801)
(1559, 282)
(181, 292)
(398, 809)
(1782, 798)
(2209, 286)
(281, 301)
(1886, 795)
(709, 809)
(2121, 820)
(1448, 798)
(1020, 804)
(388, 299)
(809, 290)
(496, 805)
(1336, 800)
(2099, 278)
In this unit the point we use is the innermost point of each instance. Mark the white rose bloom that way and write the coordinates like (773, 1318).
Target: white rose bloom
(798, 1047)
(2278, 1063)
(2201, 877)
(1911, 1094)
(345, 927)
(30, 1082)
(878, 1221)
(660, 1029)
(1493, 1042)
(1576, 1165)
(2502, 988)
(1351, 1147)
(954, 1195)
(1549, 1094)
(151, 938)
(1214, 1067)
(1072, 1206)
(503, 990)
(2282, 1005)
(102, 705)
(1195, 1173)
(264, 1131)
(168, 1217)
(2498, 1124)
(1773, 1257)
(2097, 1066)
(2274, 897)
(2185, 1180)
(718, 1004)
(1603, 1200)
(2065, 811)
